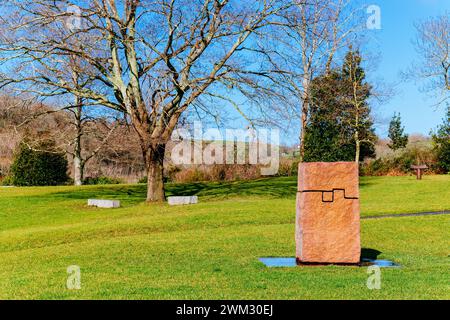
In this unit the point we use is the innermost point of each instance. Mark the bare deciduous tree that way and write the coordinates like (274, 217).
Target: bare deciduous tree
(313, 32)
(356, 93)
(433, 46)
(78, 126)
(151, 59)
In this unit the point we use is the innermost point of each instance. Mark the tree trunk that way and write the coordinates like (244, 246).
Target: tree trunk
(78, 163)
(154, 161)
(304, 120)
(78, 169)
(358, 147)
(357, 136)
(304, 116)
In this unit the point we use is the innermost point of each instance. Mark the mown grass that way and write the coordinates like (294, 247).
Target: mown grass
(211, 250)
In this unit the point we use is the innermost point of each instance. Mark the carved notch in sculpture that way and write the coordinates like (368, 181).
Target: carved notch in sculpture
(328, 218)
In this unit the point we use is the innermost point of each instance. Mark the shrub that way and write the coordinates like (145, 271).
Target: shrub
(101, 181)
(193, 174)
(400, 164)
(143, 180)
(169, 174)
(40, 166)
(218, 173)
(441, 142)
(7, 181)
(288, 168)
(210, 173)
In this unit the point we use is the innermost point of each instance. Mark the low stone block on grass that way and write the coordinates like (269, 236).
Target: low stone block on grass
(106, 204)
(180, 201)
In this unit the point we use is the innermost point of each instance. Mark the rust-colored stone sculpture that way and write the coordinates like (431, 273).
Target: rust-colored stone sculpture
(328, 218)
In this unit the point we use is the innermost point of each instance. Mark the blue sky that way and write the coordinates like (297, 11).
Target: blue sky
(390, 52)
(394, 44)
(396, 53)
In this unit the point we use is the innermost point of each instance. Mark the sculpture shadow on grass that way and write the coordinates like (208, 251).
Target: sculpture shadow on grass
(363, 184)
(370, 254)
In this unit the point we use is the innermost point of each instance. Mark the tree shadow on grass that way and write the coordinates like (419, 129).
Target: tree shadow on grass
(134, 194)
(281, 187)
(273, 188)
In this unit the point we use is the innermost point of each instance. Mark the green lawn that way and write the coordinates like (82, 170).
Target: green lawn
(211, 250)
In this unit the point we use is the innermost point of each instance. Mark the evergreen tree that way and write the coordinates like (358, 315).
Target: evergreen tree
(40, 166)
(339, 126)
(442, 144)
(326, 138)
(399, 139)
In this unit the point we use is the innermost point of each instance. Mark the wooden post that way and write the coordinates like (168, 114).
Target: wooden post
(418, 170)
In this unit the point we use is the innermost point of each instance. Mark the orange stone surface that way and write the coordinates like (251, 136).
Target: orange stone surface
(328, 218)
